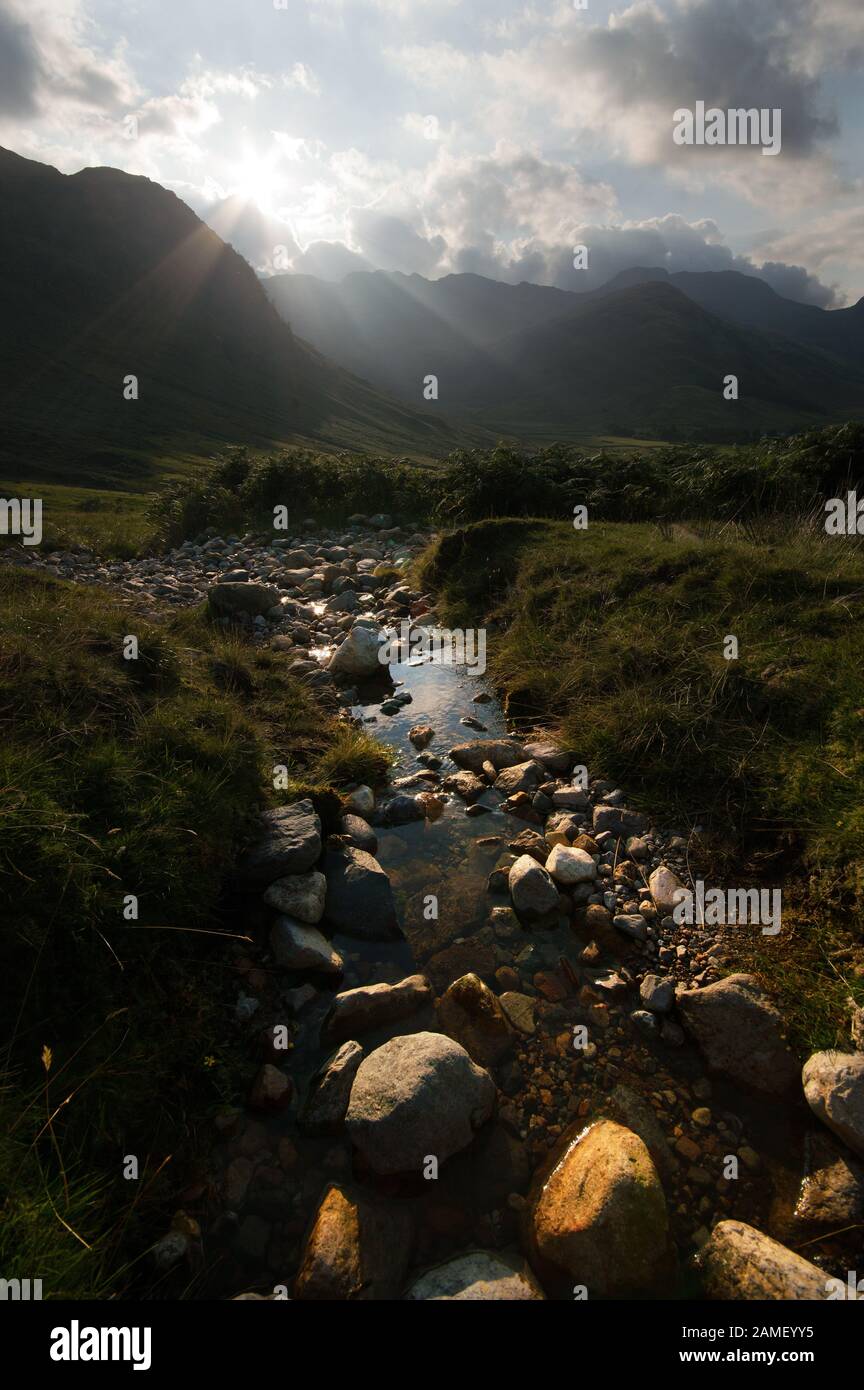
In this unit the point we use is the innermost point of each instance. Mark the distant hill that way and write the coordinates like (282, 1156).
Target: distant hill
(642, 357)
(104, 275)
(748, 301)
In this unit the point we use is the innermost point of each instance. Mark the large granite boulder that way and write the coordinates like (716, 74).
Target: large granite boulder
(290, 844)
(533, 893)
(834, 1089)
(740, 1033)
(418, 1096)
(298, 946)
(357, 657)
(232, 600)
(359, 897)
(500, 752)
(598, 1215)
(739, 1262)
(367, 1007)
(357, 1250)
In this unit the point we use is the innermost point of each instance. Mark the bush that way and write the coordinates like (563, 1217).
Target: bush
(787, 476)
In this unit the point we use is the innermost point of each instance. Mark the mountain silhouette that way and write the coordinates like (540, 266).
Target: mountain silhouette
(105, 276)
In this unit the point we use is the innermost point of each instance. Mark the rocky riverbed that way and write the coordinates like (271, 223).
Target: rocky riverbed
(485, 1061)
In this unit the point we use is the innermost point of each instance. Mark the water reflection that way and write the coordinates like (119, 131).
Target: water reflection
(441, 857)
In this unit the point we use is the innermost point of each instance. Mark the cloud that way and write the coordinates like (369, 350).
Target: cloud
(329, 260)
(671, 243)
(495, 199)
(47, 66)
(832, 240)
(613, 86)
(20, 73)
(389, 243)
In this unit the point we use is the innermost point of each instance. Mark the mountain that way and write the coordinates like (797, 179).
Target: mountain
(642, 357)
(395, 328)
(647, 360)
(750, 302)
(104, 276)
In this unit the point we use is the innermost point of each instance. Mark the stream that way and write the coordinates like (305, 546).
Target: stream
(479, 1198)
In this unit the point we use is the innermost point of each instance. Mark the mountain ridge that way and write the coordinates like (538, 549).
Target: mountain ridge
(106, 276)
(398, 329)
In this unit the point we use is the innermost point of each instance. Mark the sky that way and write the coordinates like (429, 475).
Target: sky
(437, 136)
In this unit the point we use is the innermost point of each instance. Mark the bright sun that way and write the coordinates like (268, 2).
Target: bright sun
(257, 181)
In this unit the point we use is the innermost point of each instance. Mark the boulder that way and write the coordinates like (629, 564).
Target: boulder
(475, 953)
(330, 1091)
(657, 993)
(359, 897)
(360, 801)
(469, 1012)
(834, 1090)
(569, 866)
(598, 925)
(421, 735)
(478, 1274)
(358, 832)
(519, 1010)
(300, 896)
(598, 1214)
(500, 752)
(530, 842)
(297, 946)
(739, 1262)
(570, 799)
(534, 895)
(357, 1250)
(231, 600)
(521, 777)
(356, 658)
(618, 821)
(465, 784)
(360, 1010)
(401, 809)
(553, 757)
(740, 1033)
(290, 844)
(415, 1097)
(666, 889)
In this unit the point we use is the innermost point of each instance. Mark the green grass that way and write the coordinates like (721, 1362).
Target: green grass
(615, 636)
(127, 777)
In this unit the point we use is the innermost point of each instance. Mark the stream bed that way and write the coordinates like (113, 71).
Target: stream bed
(547, 1091)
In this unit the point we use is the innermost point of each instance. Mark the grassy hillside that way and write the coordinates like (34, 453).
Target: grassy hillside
(616, 636)
(121, 777)
(106, 276)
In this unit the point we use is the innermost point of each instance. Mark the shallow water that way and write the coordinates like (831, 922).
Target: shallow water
(440, 857)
